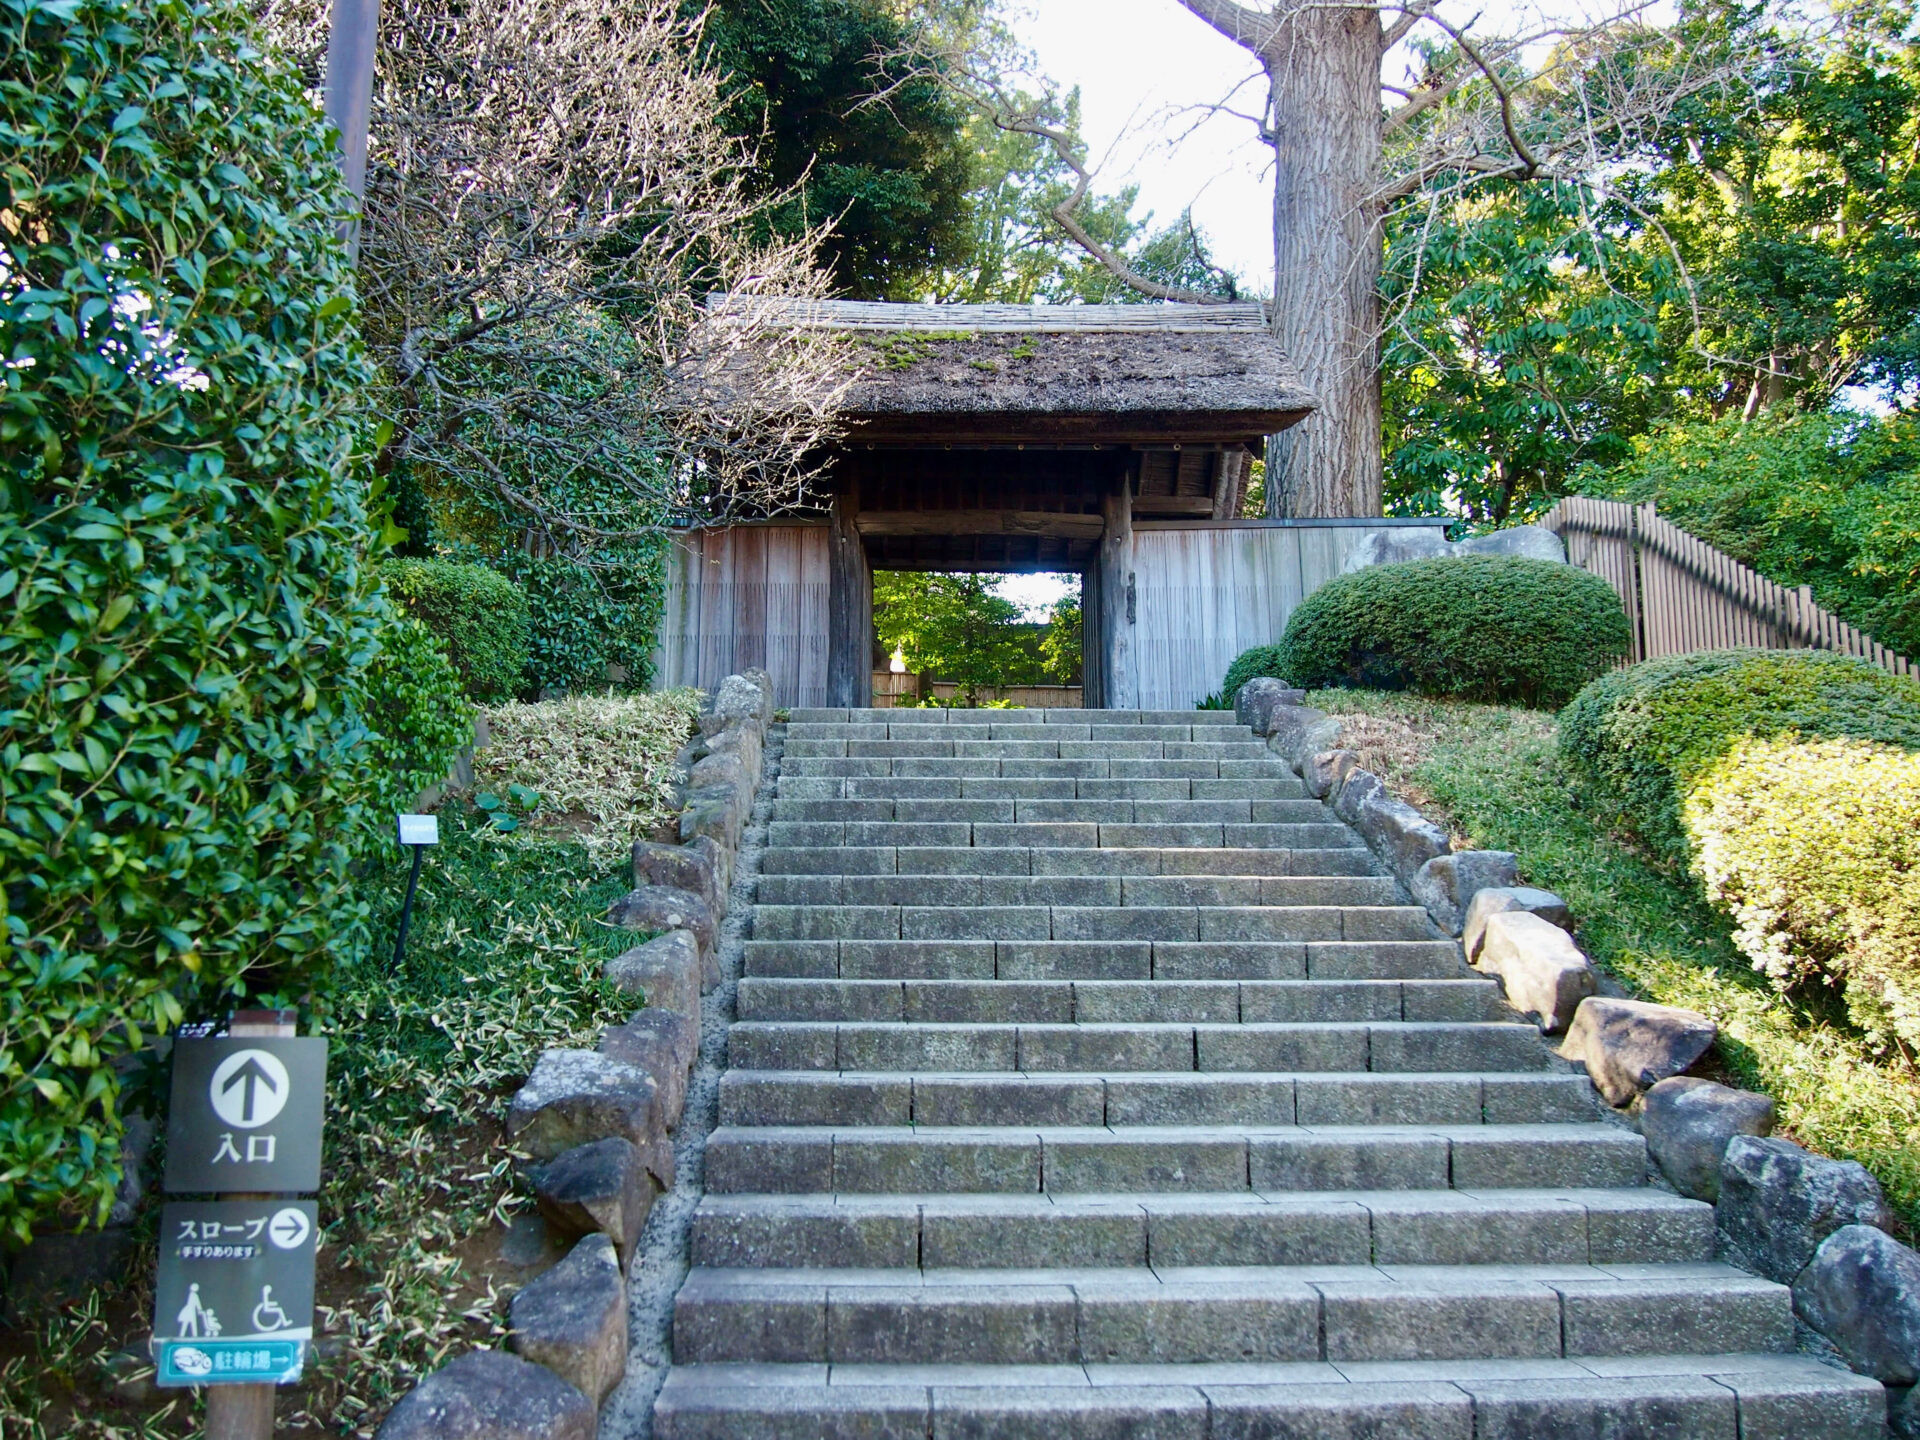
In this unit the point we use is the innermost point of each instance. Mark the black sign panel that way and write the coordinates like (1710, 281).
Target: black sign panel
(246, 1115)
(234, 1301)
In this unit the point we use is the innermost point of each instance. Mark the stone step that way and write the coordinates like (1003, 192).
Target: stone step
(1363, 1227)
(894, 1160)
(1060, 716)
(1763, 1396)
(1032, 787)
(1324, 834)
(1059, 1002)
(1263, 766)
(1059, 812)
(885, 959)
(835, 1097)
(1204, 1314)
(1079, 890)
(1069, 860)
(1382, 1047)
(1092, 922)
(980, 732)
(1051, 745)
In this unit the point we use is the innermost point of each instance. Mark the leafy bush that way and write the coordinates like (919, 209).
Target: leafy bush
(479, 615)
(588, 625)
(1249, 665)
(1479, 627)
(418, 717)
(1642, 735)
(1824, 500)
(185, 613)
(1814, 849)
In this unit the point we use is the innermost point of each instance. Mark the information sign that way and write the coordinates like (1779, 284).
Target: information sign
(246, 1115)
(233, 1304)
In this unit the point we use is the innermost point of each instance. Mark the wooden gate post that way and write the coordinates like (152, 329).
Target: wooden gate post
(1120, 688)
(849, 609)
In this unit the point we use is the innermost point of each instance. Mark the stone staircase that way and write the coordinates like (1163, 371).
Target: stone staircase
(1090, 1081)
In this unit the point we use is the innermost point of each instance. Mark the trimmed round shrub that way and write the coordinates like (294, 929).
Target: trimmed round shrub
(1475, 627)
(479, 616)
(1249, 665)
(1641, 735)
(186, 615)
(1813, 847)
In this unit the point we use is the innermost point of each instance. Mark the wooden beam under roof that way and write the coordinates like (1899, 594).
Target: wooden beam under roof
(981, 522)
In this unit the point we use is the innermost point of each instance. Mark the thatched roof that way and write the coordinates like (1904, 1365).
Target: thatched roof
(1120, 374)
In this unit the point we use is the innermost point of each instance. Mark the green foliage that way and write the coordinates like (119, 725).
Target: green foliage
(1496, 776)
(416, 709)
(477, 614)
(1060, 652)
(1248, 664)
(1814, 850)
(1825, 500)
(1485, 627)
(185, 615)
(1641, 736)
(892, 176)
(952, 626)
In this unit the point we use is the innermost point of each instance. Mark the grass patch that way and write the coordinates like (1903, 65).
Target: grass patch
(503, 960)
(1492, 775)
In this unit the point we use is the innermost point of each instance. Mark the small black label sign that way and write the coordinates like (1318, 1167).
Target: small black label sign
(234, 1301)
(246, 1115)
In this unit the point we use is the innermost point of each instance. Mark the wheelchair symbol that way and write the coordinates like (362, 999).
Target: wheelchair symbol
(267, 1315)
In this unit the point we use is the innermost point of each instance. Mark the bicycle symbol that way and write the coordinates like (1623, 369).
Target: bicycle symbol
(268, 1315)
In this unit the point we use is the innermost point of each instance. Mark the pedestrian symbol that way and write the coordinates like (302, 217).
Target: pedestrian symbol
(195, 1320)
(249, 1088)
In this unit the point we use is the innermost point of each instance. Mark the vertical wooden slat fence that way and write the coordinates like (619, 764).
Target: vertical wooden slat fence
(1681, 594)
(750, 595)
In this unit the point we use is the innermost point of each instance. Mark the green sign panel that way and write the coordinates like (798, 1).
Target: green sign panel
(234, 1300)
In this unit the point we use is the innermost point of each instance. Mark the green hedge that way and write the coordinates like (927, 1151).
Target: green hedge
(1475, 627)
(1641, 735)
(186, 616)
(1814, 849)
(479, 616)
(1260, 660)
(418, 718)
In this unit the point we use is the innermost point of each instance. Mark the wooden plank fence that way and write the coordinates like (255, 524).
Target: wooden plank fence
(1682, 594)
(746, 596)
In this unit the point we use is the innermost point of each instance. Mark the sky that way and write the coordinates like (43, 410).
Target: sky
(1144, 67)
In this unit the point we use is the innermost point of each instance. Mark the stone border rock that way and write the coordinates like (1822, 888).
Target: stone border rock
(596, 1126)
(1818, 1225)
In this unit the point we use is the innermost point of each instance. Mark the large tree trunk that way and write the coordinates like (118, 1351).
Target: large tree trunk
(1324, 65)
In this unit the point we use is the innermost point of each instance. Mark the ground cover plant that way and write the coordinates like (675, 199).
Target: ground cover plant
(1496, 776)
(503, 959)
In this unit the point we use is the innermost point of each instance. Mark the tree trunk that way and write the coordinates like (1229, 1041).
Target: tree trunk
(1324, 66)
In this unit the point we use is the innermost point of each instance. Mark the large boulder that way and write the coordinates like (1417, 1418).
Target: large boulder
(1494, 900)
(1394, 544)
(573, 1319)
(650, 1047)
(1630, 1045)
(1687, 1123)
(743, 742)
(667, 971)
(1778, 1202)
(1400, 835)
(716, 811)
(486, 1395)
(655, 909)
(738, 700)
(1540, 968)
(1325, 770)
(600, 1188)
(1260, 699)
(575, 1097)
(724, 767)
(1299, 731)
(1534, 542)
(721, 862)
(1355, 791)
(677, 867)
(680, 1032)
(1447, 884)
(1862, 1291)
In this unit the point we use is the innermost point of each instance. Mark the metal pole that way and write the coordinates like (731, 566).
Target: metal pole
(351, 41)
(406, 909)
(245, 1412)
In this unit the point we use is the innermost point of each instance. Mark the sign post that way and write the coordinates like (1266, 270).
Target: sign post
(233, 1302)
(416, 832)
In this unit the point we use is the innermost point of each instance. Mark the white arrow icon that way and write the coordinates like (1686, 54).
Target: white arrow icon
(249, 1088)
(288, 1228)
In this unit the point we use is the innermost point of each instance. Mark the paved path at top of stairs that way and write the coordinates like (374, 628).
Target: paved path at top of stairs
(1089, 1080)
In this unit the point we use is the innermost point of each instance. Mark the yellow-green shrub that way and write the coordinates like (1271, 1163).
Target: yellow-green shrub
(1813, 847)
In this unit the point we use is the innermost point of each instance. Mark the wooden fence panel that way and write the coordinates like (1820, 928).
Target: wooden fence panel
(747, 596)
(1682, 594)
